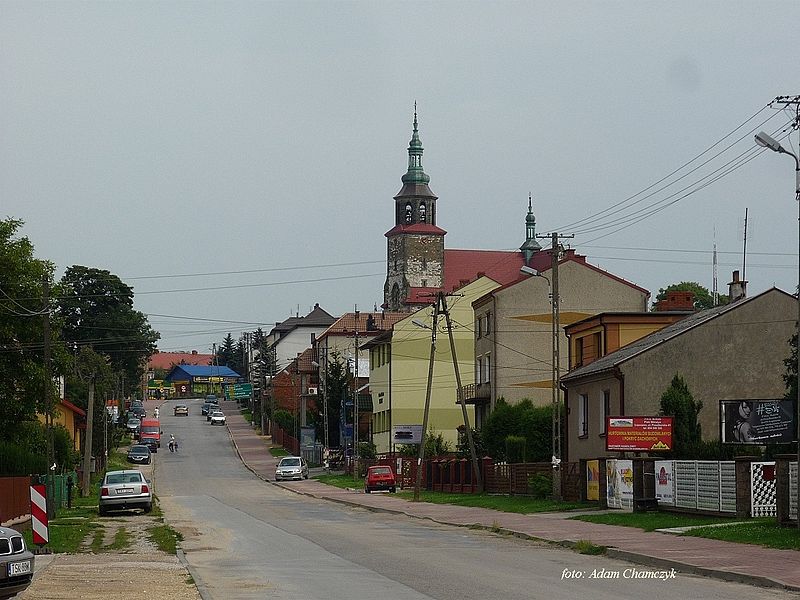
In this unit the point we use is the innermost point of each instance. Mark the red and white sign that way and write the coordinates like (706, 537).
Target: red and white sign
(39, 514)
(639, 434)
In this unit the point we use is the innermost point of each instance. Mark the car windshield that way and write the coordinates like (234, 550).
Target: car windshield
(150, 429)
(134, 421)
(290, 462)
(113, 478)
(138, 450)
(380, 470)
(217, 413)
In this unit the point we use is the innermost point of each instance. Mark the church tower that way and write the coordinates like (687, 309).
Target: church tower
(415, 245)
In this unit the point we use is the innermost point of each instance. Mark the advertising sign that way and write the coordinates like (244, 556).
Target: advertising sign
(639, 434)
(757, 421)
(619, 483)
(406, 434)
(665, 482)
(592, 480)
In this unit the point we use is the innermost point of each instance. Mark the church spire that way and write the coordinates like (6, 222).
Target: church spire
(415, 174)
(531, 246)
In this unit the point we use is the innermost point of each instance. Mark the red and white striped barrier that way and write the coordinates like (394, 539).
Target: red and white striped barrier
(39, 514)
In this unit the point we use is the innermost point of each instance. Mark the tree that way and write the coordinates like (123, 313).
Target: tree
(338, 381)
(702, 297)
(22, 391)
(534, 423)
(96, 308)
(677, 401)
(226, 351)
(790, 378)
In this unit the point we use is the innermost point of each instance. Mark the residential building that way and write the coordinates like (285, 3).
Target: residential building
(291, 337)
(399, 362)
(730, 352)
(72, 418)
(513, 326)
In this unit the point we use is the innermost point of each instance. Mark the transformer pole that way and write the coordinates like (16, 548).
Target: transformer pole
(421, 455)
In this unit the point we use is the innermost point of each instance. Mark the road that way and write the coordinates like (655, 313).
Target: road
(247, 539)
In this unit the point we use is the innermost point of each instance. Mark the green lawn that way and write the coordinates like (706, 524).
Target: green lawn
(65, 537)
(165, 537)
(278, 452)
(247, 414)
(761, 532)
(652, 520)
(515, 504)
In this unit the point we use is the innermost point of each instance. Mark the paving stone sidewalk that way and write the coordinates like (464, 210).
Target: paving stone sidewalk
(725, 560)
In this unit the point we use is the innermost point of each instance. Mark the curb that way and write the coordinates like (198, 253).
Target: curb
(198, 583)
(241, 458)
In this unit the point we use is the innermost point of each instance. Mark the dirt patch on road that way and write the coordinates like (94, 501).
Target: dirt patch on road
(100, 576)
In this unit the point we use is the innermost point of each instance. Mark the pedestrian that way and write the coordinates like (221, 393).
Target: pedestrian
(171, 443)
(156, 412)
(70, 485)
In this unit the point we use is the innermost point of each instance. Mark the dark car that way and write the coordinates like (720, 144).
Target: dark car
(139, 454)
(139, 412)
(380, 478)
(16, 563)
(150, 442)
(209, 406)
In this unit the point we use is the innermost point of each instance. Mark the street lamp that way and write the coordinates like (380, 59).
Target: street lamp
(767, 141)
(556, 382)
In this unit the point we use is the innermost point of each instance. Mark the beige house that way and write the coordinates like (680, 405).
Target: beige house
(513, 327)
(731, 352)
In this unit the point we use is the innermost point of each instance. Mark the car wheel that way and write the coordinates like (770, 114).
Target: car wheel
(366, 490)
(148, 508)
(305, 476)
(393, 490)
(102, 511)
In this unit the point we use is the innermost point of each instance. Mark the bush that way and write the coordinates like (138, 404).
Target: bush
(285, 420)
(534, 423)
(540, 486)
(367, 450)
(515, 449)
(18, 460)
(435, 445)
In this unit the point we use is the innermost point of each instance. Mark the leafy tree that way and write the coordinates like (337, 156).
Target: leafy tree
(790, 378)
(285, 420)
(462, 447)
(22, 389)
(678, 402)
(702, 297)
(338, 381)
(96, 308)
(534, 423)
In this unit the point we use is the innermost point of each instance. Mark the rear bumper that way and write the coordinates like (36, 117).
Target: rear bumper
(139, 501)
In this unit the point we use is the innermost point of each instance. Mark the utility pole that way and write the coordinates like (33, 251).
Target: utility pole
(459, 391)
(87, 448)
(556, 399)
(355, 400)
(421, 455)
(48, 390)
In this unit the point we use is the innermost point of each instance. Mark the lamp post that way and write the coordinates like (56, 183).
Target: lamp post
(556, 376)
(766, 141)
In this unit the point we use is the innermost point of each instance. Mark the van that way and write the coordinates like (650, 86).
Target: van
(150, 428)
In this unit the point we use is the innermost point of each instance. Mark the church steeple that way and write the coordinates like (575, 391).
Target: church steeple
(415, 174)
(531, 246)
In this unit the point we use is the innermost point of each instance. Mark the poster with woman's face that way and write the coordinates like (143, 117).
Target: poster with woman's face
(757, 421)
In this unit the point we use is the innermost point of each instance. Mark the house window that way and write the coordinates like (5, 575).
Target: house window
(488, 327)
(487, 367)
(478, 369)
(478, 327)
(606, 409)
(583, 415)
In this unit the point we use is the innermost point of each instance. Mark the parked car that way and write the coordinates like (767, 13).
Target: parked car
(380, 478)
(139, 453)
(209, 406)
(291, 467)
(16, 563)
(132, 426)
(122, 490)
(181, 409)
(217, 418)
(139, 412)
(150, 442)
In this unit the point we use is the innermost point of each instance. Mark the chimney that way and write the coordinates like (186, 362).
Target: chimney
(737, 289)
(676, 300)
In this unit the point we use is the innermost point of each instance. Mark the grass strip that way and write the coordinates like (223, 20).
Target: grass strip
(760, 532)
(340, 481)
(165, 537)
(649, 521)
(122, 540)
(277, 451)
(511, 504)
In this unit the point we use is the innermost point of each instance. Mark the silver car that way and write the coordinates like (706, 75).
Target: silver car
(291, 467)
(16, 563)
(121, 490)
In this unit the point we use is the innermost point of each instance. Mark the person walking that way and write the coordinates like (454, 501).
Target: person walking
(172, 444)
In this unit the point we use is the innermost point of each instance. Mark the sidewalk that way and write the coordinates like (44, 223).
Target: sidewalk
(723, 560)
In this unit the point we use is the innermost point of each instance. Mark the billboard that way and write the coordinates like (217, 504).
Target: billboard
(757, 421)
(665, 482)
(406, 434)
(639, 434)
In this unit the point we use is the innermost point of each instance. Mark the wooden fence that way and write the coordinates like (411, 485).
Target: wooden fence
(15, 498)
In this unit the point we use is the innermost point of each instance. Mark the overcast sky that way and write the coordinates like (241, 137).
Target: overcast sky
(170, 141)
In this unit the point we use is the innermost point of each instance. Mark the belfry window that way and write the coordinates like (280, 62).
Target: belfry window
(422, 212)
(409, 212)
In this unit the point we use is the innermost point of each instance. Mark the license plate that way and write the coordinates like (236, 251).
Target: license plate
(19, 568)
(125, 491)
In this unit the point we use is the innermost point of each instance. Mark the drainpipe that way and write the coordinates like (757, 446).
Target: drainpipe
(618, 374)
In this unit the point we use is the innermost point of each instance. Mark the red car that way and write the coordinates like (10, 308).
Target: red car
(380, 478)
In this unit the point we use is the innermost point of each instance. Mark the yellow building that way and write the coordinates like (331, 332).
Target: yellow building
(72, 418)
(399, 362)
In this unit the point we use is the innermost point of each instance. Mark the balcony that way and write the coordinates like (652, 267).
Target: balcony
(479, 393)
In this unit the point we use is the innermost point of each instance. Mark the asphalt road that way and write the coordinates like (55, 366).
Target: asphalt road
(246, 539)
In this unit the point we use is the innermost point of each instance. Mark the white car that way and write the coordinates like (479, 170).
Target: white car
(217, 418)
(291, 467)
